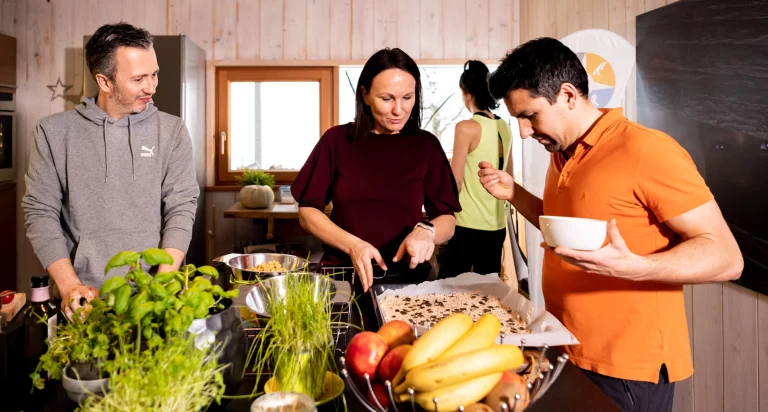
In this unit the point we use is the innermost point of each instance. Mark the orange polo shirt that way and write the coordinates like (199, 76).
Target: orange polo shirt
(641, 177)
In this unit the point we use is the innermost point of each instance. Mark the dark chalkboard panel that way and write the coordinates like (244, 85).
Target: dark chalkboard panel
(702, 77)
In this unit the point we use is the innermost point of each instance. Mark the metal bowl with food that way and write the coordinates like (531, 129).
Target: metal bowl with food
(252, 266)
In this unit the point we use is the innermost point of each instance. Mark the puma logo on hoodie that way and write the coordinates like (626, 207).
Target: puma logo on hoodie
(88, 198)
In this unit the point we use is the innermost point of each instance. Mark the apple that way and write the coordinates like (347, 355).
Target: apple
(390, 364)
(381, 395)
(396, 332)
(364, 353)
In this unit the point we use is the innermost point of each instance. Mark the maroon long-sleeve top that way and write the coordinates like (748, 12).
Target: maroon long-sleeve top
(378, 185)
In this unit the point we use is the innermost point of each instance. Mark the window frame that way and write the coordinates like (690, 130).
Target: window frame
(224, 75)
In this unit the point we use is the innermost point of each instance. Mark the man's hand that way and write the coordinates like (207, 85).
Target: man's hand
(497, 182)
(614, 259)
(419, 244)
(178, 257)
(71, 295)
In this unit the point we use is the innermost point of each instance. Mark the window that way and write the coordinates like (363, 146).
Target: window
(270, 118)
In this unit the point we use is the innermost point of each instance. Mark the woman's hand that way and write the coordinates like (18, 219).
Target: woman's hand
(419, 244)
(361, 253)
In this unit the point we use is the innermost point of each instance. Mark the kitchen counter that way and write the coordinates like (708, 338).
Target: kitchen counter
(572, 391)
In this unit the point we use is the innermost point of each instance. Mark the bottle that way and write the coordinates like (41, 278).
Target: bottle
(40, 321)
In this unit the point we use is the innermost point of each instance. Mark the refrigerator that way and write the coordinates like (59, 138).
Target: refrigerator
(181, 92)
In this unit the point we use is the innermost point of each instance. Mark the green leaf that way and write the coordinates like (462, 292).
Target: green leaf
(231, 294)
(155, 256)
(208, 271)
(126, 257)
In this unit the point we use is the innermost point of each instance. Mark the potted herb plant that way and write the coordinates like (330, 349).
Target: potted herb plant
(256, 191)
(297, 339)
(172, 374)
(142, 310)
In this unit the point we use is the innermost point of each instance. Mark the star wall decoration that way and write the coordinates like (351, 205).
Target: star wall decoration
(59, 89)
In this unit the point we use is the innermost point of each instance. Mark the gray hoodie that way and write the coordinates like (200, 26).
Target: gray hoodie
(96, 186)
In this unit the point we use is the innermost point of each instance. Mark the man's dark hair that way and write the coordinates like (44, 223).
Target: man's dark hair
(540, 66)
(101, 47)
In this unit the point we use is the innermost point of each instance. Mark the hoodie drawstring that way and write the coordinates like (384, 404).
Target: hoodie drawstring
(130, 147)
(106, 165)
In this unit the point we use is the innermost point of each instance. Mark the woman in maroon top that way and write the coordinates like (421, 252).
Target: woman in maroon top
(379, 171)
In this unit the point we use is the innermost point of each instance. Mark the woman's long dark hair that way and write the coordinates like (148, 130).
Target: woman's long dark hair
(474, 80)
(384, 59)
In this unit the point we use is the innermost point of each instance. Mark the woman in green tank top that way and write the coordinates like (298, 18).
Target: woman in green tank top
(481, 226)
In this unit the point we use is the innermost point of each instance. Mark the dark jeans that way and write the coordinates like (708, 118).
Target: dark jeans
(472, 250)
(637, 396)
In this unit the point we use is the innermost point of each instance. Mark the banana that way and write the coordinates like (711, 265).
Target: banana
(436, 340)
(481, 335)
(459, 368)
(465, 393)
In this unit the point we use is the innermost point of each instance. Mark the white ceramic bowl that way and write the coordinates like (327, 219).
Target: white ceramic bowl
(79, 390)
(573, 232)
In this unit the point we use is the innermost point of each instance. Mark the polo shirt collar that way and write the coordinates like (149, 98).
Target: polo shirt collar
(610, 117)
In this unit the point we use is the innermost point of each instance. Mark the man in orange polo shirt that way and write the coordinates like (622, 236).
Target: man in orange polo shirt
(624, 302)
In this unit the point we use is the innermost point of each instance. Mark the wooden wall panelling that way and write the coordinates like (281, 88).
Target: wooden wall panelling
(318, 35)
(248, 33)
(271, 35)
(131, 11)
(384, 24)
(500, 28)
(61, 65)
(8, 17)
(740, 356)
(179, 15)
(86, 21)
(455, 33)
(156, 16)
(762, 362)
(431, 29)
(683, 399)
(110, 11)
(362, 29)
(707, 314)
(617, 21)
(477, 24)
(225, 227)
(341, 30)
(225, 30)
(294, 29)
(601, 10)
(408, 27)
(201, 25)
(655, 4)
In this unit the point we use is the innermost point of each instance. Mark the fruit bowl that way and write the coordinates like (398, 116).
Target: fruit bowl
(454, 365)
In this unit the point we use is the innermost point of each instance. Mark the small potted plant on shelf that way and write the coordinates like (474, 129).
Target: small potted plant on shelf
(256, 191)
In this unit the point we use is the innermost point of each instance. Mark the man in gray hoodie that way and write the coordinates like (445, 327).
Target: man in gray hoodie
(114, 174)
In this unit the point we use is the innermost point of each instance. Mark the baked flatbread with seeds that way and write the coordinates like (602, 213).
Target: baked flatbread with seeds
(432, 308)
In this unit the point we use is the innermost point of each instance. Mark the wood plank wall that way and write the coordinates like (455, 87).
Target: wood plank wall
(727, 323)
(50, 37)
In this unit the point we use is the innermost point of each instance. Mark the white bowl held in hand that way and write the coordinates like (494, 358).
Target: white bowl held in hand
(573, 232)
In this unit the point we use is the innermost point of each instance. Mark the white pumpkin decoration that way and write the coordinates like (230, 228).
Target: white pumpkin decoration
(256, 197)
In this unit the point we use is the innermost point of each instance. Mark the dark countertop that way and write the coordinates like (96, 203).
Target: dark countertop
(572, 391)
